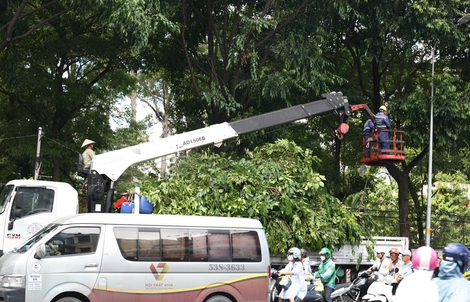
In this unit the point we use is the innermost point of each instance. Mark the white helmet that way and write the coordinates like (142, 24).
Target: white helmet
(380, 249)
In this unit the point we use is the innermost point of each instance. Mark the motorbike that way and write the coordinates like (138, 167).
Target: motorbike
(381, 290)
(275, 289)
(348, 292)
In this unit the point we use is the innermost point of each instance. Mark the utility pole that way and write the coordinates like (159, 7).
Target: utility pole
(37, 165)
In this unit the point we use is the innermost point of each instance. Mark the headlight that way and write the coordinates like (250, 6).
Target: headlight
(13, 281)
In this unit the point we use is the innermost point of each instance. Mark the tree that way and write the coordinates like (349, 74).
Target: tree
(383, 49)
(68, 73)
(227, 59)
(275, 184)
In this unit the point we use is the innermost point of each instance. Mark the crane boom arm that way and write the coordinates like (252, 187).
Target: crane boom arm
(114, 163)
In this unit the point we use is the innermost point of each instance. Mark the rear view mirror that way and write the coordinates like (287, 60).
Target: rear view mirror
(40, 251)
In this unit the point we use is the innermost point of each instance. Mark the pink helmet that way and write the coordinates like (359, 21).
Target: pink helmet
(424, 258)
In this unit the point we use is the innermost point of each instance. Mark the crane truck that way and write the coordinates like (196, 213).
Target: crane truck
(21, 217)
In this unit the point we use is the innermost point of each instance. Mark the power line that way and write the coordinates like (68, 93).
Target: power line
(17, 137)
(56, 142)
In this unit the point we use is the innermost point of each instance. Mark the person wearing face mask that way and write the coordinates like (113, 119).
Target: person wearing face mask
(295, 271)
(327, 273)
(452, 286)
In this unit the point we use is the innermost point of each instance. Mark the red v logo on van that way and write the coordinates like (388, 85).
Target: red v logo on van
(162, 267)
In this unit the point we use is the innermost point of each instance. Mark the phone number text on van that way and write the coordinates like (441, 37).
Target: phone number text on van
(226, 267)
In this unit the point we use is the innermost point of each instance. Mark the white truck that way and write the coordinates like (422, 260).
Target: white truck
(26, 206)
(20, 220)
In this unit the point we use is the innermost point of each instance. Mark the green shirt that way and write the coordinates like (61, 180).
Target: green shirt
(327, 274)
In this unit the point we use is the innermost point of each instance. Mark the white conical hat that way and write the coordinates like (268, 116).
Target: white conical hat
(87, 142)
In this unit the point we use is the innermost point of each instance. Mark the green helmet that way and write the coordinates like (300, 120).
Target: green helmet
(326, 251)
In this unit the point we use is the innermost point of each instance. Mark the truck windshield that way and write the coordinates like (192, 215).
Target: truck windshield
(5, 197)
(38, 236)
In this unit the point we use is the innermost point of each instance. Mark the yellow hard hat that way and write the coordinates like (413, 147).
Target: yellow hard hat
(383, 108)
(87, 142)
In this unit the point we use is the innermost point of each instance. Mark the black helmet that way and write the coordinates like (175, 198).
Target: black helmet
(303, 252)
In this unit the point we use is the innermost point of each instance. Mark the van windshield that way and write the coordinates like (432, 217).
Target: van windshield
(5, 196)
(38, 236)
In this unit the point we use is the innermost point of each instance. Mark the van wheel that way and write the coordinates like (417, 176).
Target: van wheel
(218, 299)
(69, 299)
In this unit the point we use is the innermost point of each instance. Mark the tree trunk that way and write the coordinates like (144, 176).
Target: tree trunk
(419, 214)
(403, 179)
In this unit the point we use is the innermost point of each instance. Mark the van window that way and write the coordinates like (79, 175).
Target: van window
(74, 240)
(196, 245)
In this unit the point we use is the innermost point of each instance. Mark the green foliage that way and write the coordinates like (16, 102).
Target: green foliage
(450, 210)
(275, 184)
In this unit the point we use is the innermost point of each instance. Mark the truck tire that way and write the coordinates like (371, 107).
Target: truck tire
(218, 299)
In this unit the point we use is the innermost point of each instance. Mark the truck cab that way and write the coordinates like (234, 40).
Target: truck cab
(26, 206)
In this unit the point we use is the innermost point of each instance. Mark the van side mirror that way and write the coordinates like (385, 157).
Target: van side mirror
(18, 214)
(40, 251)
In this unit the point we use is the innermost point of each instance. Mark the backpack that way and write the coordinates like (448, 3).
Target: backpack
(80, 171)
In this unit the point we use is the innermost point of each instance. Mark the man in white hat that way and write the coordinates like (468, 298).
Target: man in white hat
(88, 154)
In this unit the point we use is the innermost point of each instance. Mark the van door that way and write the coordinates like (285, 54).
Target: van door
(72, 264)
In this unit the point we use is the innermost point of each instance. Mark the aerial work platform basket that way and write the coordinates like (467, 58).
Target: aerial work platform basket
(383, 147)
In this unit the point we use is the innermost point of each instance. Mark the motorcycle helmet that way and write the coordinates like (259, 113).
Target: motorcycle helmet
(325, 251)
(303, 252)
(380, 250)
(457, 252)
(424, 258)
(294, 252)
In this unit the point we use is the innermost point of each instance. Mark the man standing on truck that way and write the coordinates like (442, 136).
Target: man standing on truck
(327, 273)
(88, 154)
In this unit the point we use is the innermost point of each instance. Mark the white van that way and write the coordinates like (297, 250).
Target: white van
(125, 257)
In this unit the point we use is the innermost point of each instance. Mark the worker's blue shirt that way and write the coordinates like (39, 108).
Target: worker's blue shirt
(368, 127)
(382, 121)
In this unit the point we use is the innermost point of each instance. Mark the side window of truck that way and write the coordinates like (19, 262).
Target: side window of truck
(74, 240)
(29, 201)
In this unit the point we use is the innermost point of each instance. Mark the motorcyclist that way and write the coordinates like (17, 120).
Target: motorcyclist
(306, 264)
(294, 270)
(326, 272)
(380, 267)
(406, 269)
(418, 286)
(381, 262)
(450, 281)
(395, 261)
